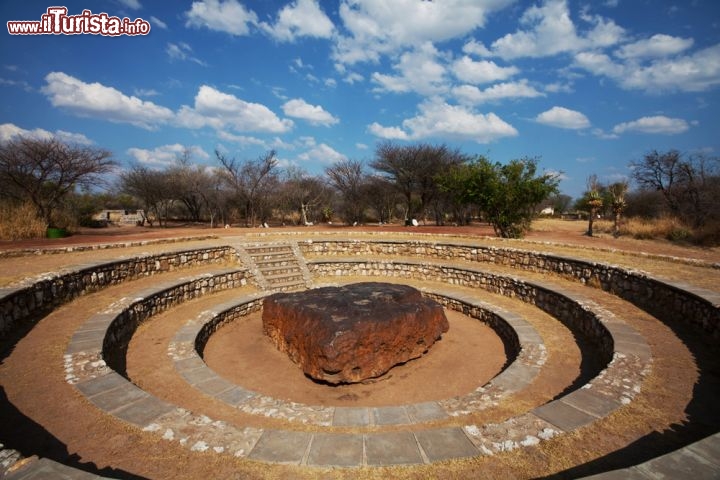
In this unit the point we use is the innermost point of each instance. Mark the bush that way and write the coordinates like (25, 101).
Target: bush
(20, 222)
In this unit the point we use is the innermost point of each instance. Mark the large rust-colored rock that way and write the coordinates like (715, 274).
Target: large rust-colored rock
(355, 332)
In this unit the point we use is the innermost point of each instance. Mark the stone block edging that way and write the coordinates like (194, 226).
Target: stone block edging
(25, 304)
(526, 354)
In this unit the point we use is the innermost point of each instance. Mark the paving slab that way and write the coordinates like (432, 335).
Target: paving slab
(214, 386)
(708, 448)
(190, 363)
(391, 416)
(198, 375)
(46, 469)
(445, 443)
(640, 350)
(425, 412)
(336, 450)
(103, 383)
(624, 474)
(118, 398)
(591, 402)
(280, 446)
(88, 336)
(392, 448)
(235, 396)
(564, 416)
(86, 346)
(351, 417)
(516, 377)
(143, 412)
(681, 463)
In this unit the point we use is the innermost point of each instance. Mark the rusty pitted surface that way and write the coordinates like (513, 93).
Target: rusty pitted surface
(355, 332)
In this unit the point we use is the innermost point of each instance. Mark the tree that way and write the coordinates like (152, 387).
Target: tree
(617, 191)
(45, 171)
(153, 188)
(383, 197)
(253, 182)
(303, 194)
(191, 184)
(349, 180)
(594, 201)
(689, 184)
(413, 168)
(507, 194)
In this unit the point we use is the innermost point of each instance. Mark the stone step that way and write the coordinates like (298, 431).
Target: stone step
(275, 279)
(281, 270)
(287, 286)
(275, 261)
(258, 251)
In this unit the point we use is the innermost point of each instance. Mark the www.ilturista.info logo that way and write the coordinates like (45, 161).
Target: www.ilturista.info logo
(57, 22)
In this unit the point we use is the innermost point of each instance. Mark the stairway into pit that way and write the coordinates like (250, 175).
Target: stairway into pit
(276, 266)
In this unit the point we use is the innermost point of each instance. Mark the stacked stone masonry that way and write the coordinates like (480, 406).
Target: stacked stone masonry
(663, 299)
(28, 302)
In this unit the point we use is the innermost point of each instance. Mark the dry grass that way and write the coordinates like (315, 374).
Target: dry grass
(669, 228)
(20, 222)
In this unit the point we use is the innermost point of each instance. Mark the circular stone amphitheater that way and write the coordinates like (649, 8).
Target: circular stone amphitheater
(147, 360)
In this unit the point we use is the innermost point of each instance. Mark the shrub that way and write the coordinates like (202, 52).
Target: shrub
(18, 222)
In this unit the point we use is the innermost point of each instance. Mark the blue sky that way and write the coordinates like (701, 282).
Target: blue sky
(585, 86)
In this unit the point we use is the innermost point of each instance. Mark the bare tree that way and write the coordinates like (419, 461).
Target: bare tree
(383, 197)
(45, 171)
(304, 194)
(349, 179)
(689, 184)
(192, 184)
(413, 169)
(153, 188)
(253, 182)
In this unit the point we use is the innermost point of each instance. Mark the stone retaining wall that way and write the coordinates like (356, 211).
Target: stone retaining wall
(663, 299)
(571, 313)
(19, 305)
(118, 335)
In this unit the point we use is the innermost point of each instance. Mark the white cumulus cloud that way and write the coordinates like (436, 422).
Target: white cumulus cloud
(303, 18)
(8, 131)
(388, 133)
(437, 118)
(381, 27)
(99, 101)
(472, 95)
(315, 114)
(227, 16)
(419, 70)
(165, 155)
(563, 118)
(219, 110)
(658, 124)
(322, 153)
(694, 72)
(549, 30)
(476, 72)
(656, 46)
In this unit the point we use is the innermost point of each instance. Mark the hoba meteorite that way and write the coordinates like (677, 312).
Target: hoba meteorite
(355, 332)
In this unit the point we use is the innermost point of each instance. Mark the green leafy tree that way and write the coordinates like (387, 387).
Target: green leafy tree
(507, 194)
